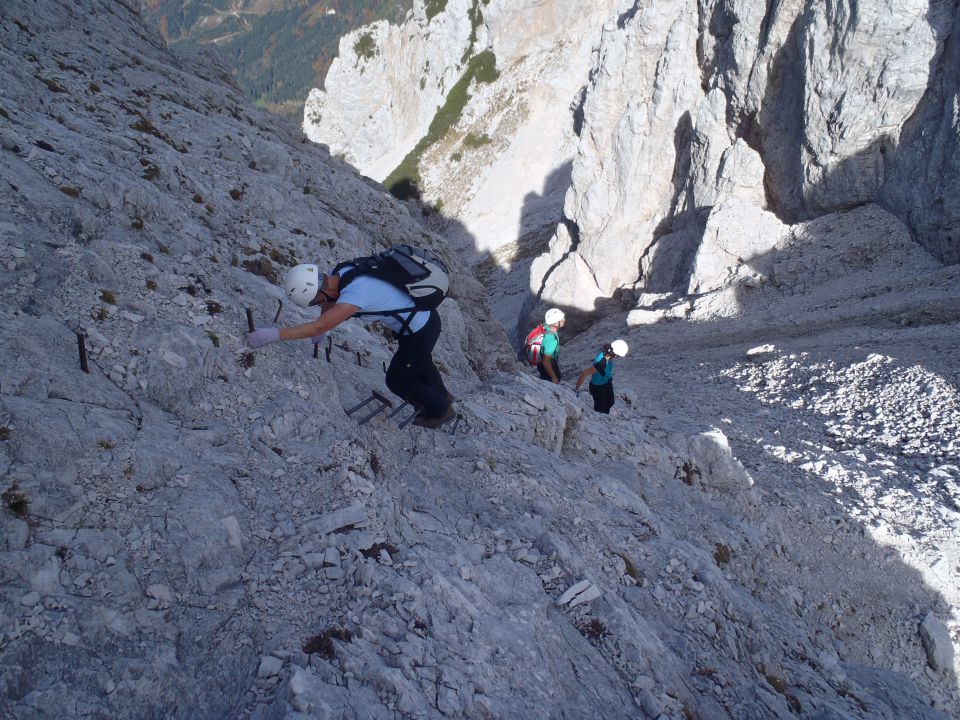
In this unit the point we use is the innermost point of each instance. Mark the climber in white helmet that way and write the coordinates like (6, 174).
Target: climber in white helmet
(349, 290)
(549, 365)
(600, 373)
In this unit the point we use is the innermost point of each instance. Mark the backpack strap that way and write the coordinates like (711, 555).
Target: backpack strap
(398, 314)
(357, 269)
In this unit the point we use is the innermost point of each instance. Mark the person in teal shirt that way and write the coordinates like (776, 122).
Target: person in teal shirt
(549, 366)
(600, 374)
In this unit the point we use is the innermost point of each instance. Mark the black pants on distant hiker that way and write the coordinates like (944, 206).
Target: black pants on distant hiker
(544, 375)
(412, 374)
(602, 397)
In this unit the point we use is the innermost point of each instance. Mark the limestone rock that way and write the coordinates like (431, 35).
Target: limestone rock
(366, 110)
(936, 642)
(793, 113)
(139, 183)
(735, 235)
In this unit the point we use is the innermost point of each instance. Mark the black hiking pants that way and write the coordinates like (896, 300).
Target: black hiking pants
(412, 375)
(602, 397)
(544, 375)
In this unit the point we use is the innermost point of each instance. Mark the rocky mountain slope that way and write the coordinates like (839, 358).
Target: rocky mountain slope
(764, 527)
(618, 138)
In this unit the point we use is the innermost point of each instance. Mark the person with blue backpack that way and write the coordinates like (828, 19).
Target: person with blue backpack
(600, 374)
(400, 288)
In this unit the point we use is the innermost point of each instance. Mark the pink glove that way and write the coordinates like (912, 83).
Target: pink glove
(263, 336)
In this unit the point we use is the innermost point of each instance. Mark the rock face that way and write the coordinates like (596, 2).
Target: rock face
(664, 112)
(504, 169)
(367, 112)
(193, 529)
(822, 96)
(143, 205)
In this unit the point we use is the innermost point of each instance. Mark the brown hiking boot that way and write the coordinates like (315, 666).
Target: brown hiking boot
(435, 422)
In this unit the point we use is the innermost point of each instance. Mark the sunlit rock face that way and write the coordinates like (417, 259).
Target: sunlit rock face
(629, 121)
(825, 99)
(504, 168)
(502, 172)
(386, 84)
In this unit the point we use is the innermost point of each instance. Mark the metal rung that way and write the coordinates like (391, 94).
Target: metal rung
(408, 419)
(366, 402)
(352, 410)
(384, 401)
(402, 406)
(82, 348)
(464, 429)
(382, 398)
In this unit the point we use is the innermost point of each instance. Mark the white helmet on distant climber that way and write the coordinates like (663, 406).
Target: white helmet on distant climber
(302, 284)
(619, 348)
(553, 316)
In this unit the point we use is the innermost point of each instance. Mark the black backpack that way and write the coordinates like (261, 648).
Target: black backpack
(419, 274)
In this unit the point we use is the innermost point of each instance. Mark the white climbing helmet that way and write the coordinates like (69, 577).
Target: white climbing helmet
(553, 316)
(619, 348)
(302, 283)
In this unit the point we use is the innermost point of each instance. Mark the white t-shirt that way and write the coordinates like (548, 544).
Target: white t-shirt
(371, 294)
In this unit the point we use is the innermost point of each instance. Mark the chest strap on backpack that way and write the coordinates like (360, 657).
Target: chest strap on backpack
(363, 266)
(398, 315)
